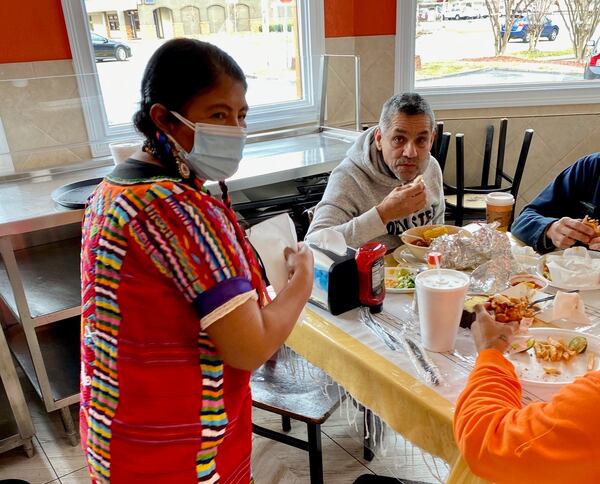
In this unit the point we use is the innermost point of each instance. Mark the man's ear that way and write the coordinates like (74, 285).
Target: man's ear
(162, 118)
(378, 139)
(433, 135)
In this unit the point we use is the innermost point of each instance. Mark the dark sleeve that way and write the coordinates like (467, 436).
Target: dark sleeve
(562, 198)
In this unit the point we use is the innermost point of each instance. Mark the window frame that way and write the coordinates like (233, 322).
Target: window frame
(260, 118)
(472, 97)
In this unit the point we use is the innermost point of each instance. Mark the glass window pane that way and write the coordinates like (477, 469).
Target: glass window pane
(463, 44)
(262, 35)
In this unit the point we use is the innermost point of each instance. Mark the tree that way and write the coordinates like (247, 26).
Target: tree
(507, 8)
(581, 20)
(536, 16)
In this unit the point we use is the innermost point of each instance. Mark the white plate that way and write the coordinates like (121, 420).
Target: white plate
(531, 372)
(389, 271)
(565, 287)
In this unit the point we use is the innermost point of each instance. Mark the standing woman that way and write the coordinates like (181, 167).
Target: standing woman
(173, 302)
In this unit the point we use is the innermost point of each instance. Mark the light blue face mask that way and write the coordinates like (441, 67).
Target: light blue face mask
(217, 149)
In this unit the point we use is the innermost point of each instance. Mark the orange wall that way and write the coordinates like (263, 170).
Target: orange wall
(32, 30)
(35, 30)
(355, 18)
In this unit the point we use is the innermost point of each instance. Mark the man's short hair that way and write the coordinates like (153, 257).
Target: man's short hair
(409, 103)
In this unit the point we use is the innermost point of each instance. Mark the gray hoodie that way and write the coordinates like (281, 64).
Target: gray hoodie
(358, 184)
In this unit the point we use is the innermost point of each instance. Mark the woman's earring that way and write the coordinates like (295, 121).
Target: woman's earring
(182, 168)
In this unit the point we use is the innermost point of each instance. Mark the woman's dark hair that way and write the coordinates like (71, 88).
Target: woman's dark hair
(179, 70)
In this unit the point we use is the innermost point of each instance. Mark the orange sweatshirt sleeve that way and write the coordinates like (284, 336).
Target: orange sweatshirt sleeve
(502, 441)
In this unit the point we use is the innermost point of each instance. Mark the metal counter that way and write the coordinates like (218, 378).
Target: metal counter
(26, 205)
(40, 244)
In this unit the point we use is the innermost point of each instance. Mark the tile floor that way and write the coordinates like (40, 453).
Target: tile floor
(55, 461)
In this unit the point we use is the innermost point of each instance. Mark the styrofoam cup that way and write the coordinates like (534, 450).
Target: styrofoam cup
(441, 294)
(122, 150)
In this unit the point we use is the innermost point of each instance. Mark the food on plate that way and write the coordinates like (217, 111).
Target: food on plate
(546, 272)
(521, 346)
(401, 279)
(530, 283)
(556, 350)
(429, 235)
(593, 224)
(591, 361)
(549, 370)
(508, 309)
(578, 344)
(421, 242)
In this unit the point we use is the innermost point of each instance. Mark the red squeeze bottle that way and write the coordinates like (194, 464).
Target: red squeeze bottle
(371, 275)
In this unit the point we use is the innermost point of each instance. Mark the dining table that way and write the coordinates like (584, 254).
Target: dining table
(389, 381)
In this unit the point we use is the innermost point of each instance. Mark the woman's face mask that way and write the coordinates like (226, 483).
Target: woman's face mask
(217, 149)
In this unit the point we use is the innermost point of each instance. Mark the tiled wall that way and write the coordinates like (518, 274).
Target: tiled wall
(377, 77)
(42, 115)
(562, 135)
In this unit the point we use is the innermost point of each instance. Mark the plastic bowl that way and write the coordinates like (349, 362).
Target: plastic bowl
(539, 282)
(408, 238)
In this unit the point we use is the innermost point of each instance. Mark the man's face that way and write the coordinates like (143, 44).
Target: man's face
(406, 144)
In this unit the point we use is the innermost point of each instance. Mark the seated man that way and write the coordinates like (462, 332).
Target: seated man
(504, 441)
(554, 219)
(370, 194)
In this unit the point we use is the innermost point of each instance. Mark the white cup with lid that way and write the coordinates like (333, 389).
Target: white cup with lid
(441, 294)
(120, 151)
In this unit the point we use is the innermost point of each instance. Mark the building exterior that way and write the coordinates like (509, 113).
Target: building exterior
(165, 19)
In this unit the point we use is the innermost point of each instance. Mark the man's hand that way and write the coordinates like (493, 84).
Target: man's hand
(595, 244)
(403, 201)
(489, 333)
(565, 232)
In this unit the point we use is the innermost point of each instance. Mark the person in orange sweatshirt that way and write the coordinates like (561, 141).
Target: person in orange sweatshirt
(543, 442)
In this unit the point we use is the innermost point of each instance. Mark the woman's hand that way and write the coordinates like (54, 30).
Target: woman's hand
(299, 260)
(489, 333)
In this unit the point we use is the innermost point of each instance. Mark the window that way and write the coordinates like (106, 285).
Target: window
(467, 54)
(190, 17)
(216, 18)
(281, 67)
(242, 18)
(113, 21)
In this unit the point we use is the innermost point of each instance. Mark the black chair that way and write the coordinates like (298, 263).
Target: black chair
(468, 203)
(295, 395)
(442, 153)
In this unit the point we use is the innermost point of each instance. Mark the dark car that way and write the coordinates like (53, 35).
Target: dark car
(109, 49)
(592, 64)
(520, 29)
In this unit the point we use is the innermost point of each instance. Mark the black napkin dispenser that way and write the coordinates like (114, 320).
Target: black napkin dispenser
(335, 280)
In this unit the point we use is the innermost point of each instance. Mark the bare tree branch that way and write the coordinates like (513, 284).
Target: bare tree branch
(581, 18)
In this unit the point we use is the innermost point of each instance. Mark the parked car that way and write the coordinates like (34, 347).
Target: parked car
(109, 49)
(520, 29)
(592, 64)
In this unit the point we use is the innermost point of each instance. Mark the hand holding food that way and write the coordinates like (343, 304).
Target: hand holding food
(567, 231)
(509, 309)
(595, 225)
(489, 333)
(403, 201)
